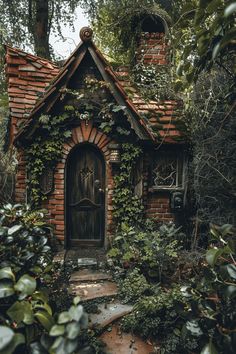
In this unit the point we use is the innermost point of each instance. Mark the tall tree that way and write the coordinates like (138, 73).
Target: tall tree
(30, 22)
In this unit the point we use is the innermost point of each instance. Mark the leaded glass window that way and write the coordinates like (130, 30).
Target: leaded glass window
(168, 171)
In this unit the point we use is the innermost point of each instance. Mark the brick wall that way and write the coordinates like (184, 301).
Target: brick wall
(152, 48)
(20, 185)
(55, 203)
(156, 203)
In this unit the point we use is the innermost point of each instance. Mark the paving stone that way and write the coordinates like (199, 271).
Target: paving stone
(89, 275)
(108, 313)
(118, 342)
(86, 262)
(89, 291)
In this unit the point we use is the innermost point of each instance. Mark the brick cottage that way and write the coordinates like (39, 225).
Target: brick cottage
(78, 191)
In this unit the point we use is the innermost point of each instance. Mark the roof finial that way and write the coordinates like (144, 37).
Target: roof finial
(86, 34)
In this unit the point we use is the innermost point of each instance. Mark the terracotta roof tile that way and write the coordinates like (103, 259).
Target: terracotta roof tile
(28, 76)
(163, 116)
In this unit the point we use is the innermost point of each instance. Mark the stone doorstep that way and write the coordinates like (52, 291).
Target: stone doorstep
(108, 313)
(86, 275)
(89, 291)
(87, 262)
(118, 342)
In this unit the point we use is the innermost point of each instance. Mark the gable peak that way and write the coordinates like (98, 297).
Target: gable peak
(86, 34)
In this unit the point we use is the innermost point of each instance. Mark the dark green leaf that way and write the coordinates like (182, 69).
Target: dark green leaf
(72, 330)
(57, 330)
(6, 273)
(64, 317)
(212, 255)
(6, 288)
(6, 336)
(45, 319)
(76, 312)
(14, 229)
(231, 268)
(230, 9)
(26, 285)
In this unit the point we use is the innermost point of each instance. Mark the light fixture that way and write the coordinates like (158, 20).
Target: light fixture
(114, 153)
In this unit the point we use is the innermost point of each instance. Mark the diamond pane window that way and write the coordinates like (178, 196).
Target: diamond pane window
(168, 171)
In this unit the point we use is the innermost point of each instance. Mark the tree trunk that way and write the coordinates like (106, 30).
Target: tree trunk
(41, 29)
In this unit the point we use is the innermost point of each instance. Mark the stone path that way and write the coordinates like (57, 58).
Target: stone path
(91, 284)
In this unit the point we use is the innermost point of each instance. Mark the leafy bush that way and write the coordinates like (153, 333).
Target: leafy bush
(24, 239)
(27, 321)
(154, 252)
(133, 286)
(210, 314)
(154, 315)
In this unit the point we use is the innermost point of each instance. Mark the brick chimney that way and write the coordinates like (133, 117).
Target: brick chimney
(152, 45)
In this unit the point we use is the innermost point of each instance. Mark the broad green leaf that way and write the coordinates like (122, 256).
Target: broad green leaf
(57, 343)
(6, 336)
(6, 273)
(71, 345)
(26, 285)
(209, 349)
(230, 9)
(76, 312)
(21, 311)
(57, 330)
(231, 291)
(6, 288)
(212, 255)
(14, 229)
(72, 330)
(15, 342)
(45, 319)
(64, 317)
(231, 268)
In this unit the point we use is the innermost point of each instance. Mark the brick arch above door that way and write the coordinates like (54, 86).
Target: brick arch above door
(85, 133)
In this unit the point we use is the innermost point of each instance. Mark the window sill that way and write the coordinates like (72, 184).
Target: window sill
(164, 189)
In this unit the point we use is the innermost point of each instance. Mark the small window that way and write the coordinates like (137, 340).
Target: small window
(168, 171)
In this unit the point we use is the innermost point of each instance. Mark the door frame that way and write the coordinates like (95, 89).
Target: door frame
(87, 244)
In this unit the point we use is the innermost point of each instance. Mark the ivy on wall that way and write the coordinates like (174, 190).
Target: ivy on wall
(44, 152)
(127, 206)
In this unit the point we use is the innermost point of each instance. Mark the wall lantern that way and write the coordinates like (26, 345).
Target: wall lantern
(114, 153)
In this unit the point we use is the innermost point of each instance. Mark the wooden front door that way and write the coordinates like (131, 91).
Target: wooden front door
(85, 198)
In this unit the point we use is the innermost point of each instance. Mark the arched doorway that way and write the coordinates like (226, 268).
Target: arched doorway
(85, 196)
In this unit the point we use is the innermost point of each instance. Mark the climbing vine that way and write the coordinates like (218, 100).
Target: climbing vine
(127, 206)
(45, 152)
(46, 149)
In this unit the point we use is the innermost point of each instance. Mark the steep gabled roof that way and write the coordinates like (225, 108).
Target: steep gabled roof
(53, 94)
(28, 77)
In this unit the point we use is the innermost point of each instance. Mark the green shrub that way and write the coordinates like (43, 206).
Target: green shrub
(154, 252)
(133, 286)
(211, 311)
(27, 321)
(24, 239)
(154, 315)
